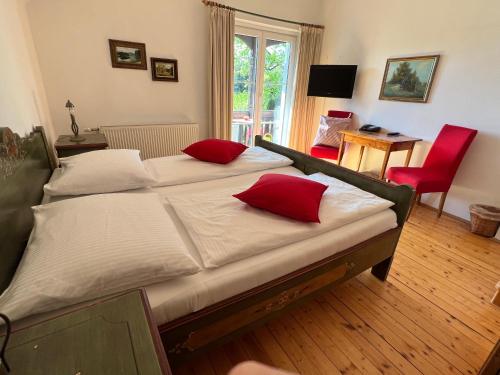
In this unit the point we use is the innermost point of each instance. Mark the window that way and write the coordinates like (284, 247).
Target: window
(264, 69)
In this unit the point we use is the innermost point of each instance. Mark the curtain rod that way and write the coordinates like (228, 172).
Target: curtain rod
(213, 3)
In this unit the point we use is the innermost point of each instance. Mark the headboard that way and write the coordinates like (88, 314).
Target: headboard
(25, 166)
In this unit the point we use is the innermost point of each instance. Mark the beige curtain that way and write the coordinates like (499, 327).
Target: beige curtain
(221, 71)
(303, 121)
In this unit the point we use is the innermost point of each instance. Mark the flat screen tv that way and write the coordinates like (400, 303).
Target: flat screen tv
(333, 81)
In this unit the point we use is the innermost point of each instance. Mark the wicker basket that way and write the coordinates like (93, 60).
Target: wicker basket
(484, 219)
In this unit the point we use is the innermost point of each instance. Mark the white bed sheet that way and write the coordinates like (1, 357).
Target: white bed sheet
(174, 298)
(225, 229)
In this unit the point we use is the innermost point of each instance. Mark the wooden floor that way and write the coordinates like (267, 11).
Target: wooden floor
(431, 316)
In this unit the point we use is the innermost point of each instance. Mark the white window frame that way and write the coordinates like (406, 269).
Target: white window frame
(263, 31)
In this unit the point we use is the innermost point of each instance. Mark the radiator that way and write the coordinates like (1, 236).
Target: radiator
(153, 141)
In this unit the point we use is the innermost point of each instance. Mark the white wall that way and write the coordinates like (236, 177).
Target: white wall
(72, 48)
(466, 89)
(22, 97)
(71, 38)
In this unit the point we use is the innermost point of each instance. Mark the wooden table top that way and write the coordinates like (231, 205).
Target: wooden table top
(381, 137)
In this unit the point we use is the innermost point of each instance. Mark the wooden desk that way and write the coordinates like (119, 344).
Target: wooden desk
(379, 141)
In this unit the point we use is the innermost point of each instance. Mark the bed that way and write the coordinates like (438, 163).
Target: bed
(213, 306)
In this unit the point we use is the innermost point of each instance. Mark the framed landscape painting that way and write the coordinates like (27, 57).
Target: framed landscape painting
(164, 69)
(408, 79)
(128, 55)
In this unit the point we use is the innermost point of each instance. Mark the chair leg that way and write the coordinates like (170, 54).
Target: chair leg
(441, 203)
(419, 198)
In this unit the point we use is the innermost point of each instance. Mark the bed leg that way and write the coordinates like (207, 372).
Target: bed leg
(381, 270)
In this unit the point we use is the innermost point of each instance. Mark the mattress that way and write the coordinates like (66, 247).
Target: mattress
(225, 229)
(175, 298)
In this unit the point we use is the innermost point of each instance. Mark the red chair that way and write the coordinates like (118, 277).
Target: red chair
(440, 166)
(329, 152)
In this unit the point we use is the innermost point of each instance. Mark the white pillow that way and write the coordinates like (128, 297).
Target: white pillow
(328, 130)
(103, 171)
(88, 247)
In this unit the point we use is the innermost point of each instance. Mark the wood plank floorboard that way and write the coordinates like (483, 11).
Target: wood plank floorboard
(431, 316)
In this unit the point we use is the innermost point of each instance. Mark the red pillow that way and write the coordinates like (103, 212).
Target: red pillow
(215, 150)
(294, 197)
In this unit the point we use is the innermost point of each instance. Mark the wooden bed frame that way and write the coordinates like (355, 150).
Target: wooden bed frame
(221, 322)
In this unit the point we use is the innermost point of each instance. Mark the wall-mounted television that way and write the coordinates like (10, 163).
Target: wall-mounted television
(333, 81)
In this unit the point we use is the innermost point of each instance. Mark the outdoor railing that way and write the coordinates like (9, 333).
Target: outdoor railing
(243, 130)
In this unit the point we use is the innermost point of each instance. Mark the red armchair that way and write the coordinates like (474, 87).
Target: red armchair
(440, 166)
(329, 152)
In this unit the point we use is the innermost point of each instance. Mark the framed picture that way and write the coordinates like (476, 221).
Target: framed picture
(128, 55)
(408, 79)
(164, 70)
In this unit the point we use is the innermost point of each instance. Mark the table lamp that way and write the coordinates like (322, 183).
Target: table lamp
(74, 125)
(8, 329)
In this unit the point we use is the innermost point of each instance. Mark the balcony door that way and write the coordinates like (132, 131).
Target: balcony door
(264, 69)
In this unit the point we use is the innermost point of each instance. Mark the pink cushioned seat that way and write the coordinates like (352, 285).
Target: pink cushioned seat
(325, 152)
(329, 152)
(422, 180)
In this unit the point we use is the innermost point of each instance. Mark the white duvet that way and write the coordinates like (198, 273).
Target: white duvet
(183, 169)
(225, 229)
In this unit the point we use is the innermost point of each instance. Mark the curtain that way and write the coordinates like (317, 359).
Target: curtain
(221, 25)
(303, 121)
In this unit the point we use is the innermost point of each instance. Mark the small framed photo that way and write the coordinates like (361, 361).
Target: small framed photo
(164, 70)
(408, 79)
(128, 55)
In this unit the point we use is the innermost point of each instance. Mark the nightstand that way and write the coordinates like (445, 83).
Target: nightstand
(111, 336)
(92, 142)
